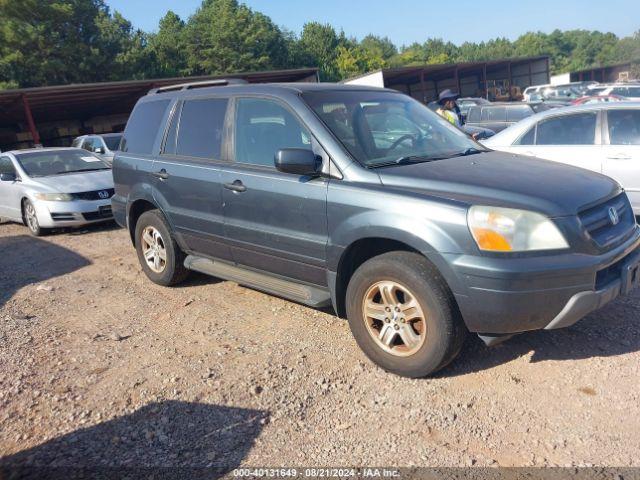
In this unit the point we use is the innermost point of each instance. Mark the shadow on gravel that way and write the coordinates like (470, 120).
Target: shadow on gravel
(197, 279)
(26, 260)
(611, 331)
(170, 439)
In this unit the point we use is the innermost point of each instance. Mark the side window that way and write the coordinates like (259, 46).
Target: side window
(201, 127)
(262, 128)
(528, 138)
(142, 127)
(622, 91)
(633, 91)
(6, 165)
(494, 114)
(576, 129)
(624, 127)
(474, 114)
(87, 144)
(517, 113)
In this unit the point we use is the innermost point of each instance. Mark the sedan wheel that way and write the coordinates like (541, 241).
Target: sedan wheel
(31, 219)
(153, 249)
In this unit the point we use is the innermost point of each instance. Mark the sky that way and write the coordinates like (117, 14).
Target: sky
(407, 21)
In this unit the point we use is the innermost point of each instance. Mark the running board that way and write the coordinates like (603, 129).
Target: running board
(298, 292)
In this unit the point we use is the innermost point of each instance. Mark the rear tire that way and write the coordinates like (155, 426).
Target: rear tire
(158, 253)
(403, 315)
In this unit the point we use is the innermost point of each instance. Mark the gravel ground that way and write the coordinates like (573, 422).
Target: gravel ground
(98, 366)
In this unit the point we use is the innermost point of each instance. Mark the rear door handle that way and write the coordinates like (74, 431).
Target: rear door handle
(236, 186)
(162, 174)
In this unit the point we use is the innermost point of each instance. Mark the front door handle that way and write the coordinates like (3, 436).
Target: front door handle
(619, 156)
(236, 186)
(162, 174)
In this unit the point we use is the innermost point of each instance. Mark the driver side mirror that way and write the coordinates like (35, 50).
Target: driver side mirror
(8, 177)
(298, 161)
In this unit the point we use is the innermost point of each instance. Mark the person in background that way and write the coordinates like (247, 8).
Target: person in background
(448, 108)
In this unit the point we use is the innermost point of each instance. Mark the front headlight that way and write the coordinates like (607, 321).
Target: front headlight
(498, 229)
(54, 197)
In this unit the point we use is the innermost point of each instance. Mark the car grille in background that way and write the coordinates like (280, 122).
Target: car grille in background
(597, 221)
(95, 195)
(103, 212)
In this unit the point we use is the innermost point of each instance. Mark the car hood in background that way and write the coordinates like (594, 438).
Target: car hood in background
(77, 182)
(504, 179)
(481, 132)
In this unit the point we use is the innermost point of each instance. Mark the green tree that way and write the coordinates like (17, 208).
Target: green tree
(319, 43)
(167, 46)
(123, 52)
(50, 42)
(378, 47)
(224, 36)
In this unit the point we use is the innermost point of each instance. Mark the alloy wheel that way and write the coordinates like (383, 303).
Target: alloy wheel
(153, 249)
(394, 318)
(31, 217)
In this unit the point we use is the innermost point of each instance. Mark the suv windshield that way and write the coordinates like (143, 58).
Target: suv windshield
(113, 142)
(59, 162)
(382, 128)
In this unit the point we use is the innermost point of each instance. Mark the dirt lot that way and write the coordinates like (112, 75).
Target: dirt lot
(98, 366)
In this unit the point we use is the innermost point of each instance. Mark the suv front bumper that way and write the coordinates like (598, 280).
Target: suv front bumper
(510, 295)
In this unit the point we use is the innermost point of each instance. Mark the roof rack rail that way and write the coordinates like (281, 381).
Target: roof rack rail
(203, 84)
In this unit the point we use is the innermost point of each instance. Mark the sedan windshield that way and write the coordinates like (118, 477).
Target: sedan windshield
(113, 142)
(383, 128)
(59, 162)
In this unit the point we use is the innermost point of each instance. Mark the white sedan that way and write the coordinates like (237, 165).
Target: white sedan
(54, 187)
(603, 137)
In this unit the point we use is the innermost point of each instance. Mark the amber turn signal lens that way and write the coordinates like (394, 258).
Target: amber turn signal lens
(490, 240)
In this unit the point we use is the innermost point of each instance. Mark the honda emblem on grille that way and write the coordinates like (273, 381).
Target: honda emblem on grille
(105, 194)
(613, 216)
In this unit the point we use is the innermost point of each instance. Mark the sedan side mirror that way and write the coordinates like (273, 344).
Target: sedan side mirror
(298, 161)
(99, 150)
(8, 177)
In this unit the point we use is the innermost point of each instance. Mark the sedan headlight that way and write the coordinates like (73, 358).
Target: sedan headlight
(510, 230)
(54, 197)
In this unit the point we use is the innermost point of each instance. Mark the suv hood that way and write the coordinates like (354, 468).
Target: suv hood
(506, 180)
(76, 182)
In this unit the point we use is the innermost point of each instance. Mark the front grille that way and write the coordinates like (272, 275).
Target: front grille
(599, 226)
(95, 194)
(103, 212)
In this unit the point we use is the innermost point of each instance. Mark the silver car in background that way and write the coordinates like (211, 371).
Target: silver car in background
(54, 187)
(104, 145)
(602, 137)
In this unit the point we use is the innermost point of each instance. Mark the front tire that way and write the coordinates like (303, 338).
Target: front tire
(158, 253)
(403, 315)
(30, 219)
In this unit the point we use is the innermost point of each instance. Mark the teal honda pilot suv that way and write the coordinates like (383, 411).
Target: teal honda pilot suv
(363, 199)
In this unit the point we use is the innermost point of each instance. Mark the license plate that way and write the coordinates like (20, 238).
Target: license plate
(630, 275)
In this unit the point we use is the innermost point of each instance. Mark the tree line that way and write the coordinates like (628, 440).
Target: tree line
(51, 42)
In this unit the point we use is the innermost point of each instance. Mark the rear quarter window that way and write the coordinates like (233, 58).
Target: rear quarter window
(142, 127)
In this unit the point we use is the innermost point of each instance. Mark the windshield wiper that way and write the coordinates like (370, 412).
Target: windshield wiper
(82, 170)
(414, 159)
(469, 151)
